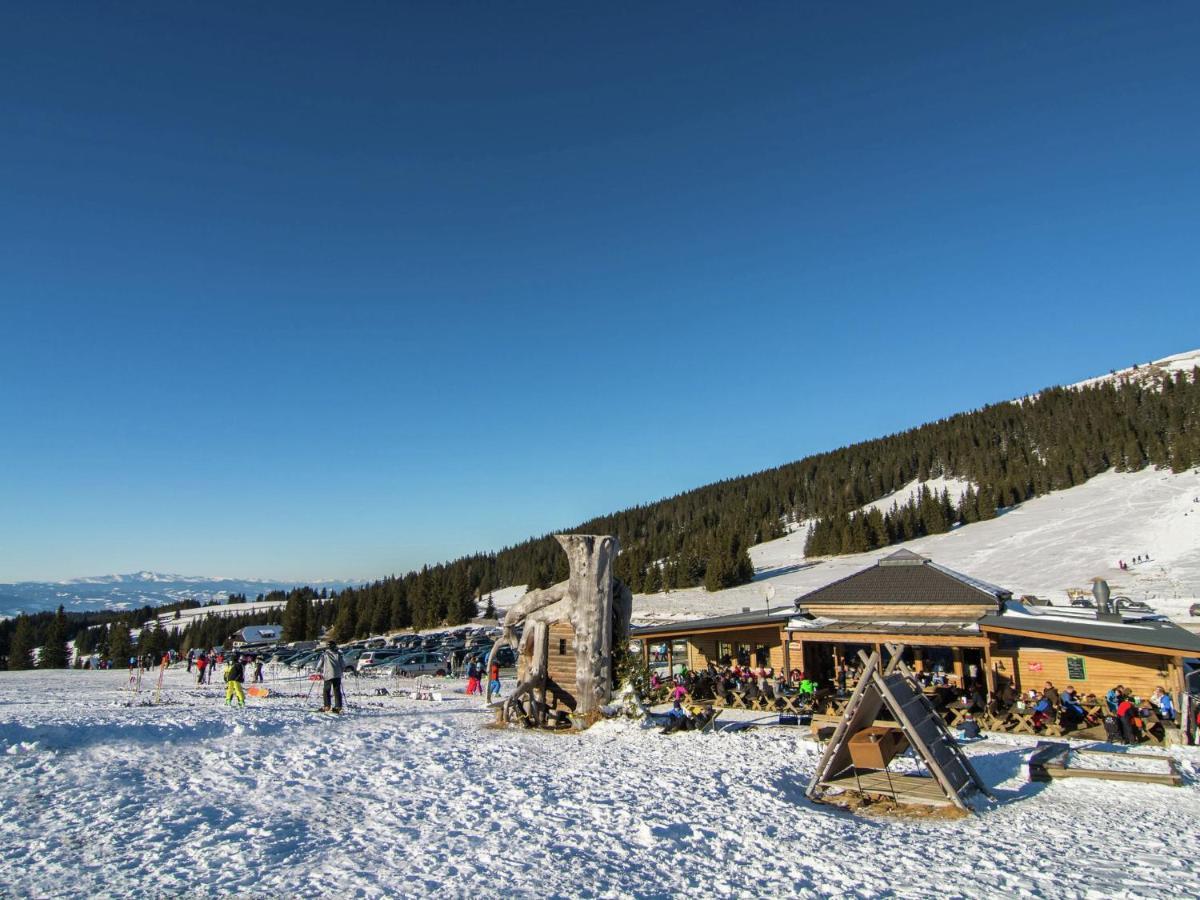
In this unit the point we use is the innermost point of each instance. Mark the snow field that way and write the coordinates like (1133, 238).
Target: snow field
(1042, 547)
(407, 798)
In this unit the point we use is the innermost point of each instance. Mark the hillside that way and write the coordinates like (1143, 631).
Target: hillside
(1041, 547)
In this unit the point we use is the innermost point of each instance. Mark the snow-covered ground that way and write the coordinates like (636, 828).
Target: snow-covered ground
(1042, 547)
(407, 798)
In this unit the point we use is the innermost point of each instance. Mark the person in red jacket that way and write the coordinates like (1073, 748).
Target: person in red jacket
(1127, 716)
(201, 665)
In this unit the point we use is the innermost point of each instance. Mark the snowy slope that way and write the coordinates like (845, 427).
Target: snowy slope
(1041, 547)
(400, 798)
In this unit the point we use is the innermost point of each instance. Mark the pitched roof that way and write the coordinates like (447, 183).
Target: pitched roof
(1152, 632)
(777, 616)
(908, 579)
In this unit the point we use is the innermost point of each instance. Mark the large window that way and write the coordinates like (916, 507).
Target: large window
(724, 653)
(679, 654)
(658, 656)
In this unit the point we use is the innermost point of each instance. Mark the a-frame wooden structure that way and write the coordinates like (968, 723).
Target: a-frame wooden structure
(894, 688)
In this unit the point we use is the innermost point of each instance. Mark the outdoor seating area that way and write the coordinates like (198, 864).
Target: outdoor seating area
(984, 660)
(1047, 713)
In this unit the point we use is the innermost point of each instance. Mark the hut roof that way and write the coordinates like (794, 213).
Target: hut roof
(905, 578)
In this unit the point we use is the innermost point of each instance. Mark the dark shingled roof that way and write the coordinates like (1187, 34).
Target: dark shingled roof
(904, 578)
(1162, 635)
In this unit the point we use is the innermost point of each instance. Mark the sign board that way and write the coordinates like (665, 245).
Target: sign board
(1075, 670)
(1035, 667)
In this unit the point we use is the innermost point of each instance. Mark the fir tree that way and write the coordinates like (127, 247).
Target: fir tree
(54, 653)
(120, 647)
(20, 652)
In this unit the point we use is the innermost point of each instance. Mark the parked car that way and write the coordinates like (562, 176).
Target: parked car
(416, 664)
(371, 658)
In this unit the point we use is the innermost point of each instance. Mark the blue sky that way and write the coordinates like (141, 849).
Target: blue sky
(304, 291)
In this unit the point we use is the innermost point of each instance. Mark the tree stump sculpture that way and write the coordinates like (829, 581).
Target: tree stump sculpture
(589, 613)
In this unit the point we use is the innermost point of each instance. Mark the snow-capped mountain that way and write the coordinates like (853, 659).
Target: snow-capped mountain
(136, 589)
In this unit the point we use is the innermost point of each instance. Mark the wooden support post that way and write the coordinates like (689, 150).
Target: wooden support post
(918, 659)
(958, 663)
(787, 654)
(988, 674)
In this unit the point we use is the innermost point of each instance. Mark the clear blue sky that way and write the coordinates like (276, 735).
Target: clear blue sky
(313, 290)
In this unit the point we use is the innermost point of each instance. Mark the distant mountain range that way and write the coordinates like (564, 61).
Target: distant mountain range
(136, 589)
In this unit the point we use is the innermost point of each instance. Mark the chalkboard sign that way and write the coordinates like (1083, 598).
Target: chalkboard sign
(1075, 668)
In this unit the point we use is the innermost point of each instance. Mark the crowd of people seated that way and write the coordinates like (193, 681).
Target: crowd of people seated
(1124, 716)
(751, 682)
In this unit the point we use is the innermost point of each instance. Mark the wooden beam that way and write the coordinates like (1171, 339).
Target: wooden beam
(909, 640)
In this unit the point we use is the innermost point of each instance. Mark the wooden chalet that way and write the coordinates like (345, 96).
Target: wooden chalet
(968, 631)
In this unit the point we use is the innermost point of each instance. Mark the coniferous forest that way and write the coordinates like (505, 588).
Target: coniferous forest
(1010, 452)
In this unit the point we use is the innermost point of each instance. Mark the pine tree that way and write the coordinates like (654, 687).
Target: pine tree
(295, 618)
(20, 653)
(54, 653)
(120, 647)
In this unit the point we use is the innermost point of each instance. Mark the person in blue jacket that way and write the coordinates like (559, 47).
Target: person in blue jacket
(1163, 703)
(1113, 697)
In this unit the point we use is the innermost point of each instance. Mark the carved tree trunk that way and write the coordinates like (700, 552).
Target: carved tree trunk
(590, 588)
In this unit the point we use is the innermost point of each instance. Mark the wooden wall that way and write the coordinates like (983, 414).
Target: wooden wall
(560, 656)
(892, 612)
(1104, 669)
(703, 647)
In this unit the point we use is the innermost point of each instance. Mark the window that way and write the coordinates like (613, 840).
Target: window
(762, 656)
(658, 656)
(679, 652)
(562, 646)
(724, 652)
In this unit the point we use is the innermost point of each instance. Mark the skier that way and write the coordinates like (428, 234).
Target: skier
(191, 659)
(473, 679)
(258, 675)
(201, 665)
(235, 674)
(330, 667)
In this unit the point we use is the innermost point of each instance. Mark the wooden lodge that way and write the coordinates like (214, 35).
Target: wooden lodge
(965, 631)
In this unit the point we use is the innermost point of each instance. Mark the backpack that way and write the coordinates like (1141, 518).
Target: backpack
(1112, 729)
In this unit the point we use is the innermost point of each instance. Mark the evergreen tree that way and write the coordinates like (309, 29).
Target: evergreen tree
(20, 652)
(54, 653)
(295, 618)
(120, 647)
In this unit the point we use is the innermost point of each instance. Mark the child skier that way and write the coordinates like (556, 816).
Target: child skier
(235, 674)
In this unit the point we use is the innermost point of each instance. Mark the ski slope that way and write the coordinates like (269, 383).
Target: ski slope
(403, 798)
(1042, 547)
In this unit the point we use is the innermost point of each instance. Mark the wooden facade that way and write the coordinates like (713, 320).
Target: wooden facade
(962, 630)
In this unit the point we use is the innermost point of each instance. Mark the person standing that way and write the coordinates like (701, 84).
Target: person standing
(191, 657)
(331, 667)
(493, 681)
(235, 674)
(201, 665)
(258, 675)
